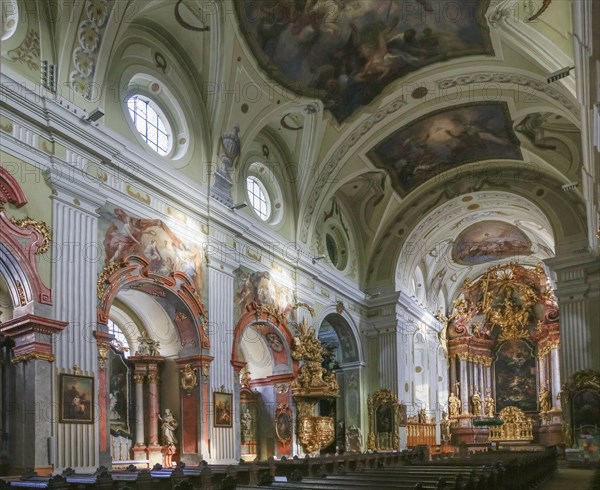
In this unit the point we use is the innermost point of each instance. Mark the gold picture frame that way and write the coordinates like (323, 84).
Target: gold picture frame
(76, 399)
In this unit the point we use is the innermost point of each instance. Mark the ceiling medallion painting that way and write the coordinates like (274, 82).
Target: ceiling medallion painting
(345, 52)
(490, 240)
(434, 145)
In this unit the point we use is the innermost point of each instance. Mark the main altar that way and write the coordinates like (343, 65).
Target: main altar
(503, 340)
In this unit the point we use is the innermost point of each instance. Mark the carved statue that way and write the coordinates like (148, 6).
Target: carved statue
(544, 400)
(229, 149)
(454, 405)
(422, 416)
(445, 427)
(147, 346)
(476, 404)
(246, 424)
(169, 424)
(489, 406)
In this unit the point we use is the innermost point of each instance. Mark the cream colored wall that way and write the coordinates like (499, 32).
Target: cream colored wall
(38, 207)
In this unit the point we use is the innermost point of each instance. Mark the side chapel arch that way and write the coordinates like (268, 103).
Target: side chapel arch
(268, 326)
(189, 317)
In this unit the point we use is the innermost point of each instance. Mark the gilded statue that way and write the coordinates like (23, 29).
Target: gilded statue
(544, 400)
(489, 405)
(476, 404)
(188, 378)
(454, 405)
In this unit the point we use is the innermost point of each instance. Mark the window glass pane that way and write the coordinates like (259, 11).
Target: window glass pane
(149, 124)
(259, 200)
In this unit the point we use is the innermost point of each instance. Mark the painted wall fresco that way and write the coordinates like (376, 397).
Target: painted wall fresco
(123, 234)
(345, 52)
(261, 288)
(490, 240)
(443, 140)
(515, 372)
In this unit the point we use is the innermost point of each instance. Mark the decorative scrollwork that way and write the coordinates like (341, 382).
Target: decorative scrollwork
(188, 378)
(109, 270)
(40, 226)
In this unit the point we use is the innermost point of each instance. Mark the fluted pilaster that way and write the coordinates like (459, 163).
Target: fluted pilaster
(74, 277)
(223, 448)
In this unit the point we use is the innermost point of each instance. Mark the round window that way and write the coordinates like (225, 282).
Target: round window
(150, 123)
(258, 197)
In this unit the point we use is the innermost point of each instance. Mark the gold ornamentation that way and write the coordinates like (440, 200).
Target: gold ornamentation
(21, 293)
(545, 400)
(109, 270)
(103, 348)
(33, 356)
(315, 433)
(138, 194)
(383, 414)
(310, 309)
(188, 378)
(282, 389)
(40, 226)
(546, 348)
(205, 373)
(245, 378)
(139, 378)
(313, 380)
(464, 356)
(180, 316)
(153, 378)
(489, 405)
(586, 379)
(516, 427)
(272, 311)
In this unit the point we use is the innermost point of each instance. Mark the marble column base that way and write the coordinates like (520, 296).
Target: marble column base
(155, 455)
(551, 434)
(139, 452)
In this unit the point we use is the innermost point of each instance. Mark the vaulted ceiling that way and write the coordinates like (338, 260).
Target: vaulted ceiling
(414, 118)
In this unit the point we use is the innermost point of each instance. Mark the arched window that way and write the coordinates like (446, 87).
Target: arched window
(120, 341)
(258, 197)
(150, 123)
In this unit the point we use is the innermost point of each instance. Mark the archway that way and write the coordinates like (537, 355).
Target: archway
(344, 357)
(172, 344)
(262, 349)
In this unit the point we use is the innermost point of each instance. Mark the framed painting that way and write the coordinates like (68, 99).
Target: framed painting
(223, 403)
(283, 423)
(76, 399)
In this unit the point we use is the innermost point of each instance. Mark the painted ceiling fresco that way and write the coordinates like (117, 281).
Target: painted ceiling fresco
(434, 145)
(345, 52)
(490, 240)
(123, 235)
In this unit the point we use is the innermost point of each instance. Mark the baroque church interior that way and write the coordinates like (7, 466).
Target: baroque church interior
(241, 230)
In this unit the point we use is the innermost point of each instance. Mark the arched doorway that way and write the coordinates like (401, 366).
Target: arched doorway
(262, 343)
(162, 386)
(344, 357)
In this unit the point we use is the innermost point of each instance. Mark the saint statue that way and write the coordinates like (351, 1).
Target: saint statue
(489, 406)
(246, 424)
(169, 424)
(544, 400)
(476, 404)
(454, 405)
(422, 416)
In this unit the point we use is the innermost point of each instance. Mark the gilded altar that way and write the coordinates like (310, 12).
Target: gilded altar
(383, 421)
(313, 383)
(516, 427)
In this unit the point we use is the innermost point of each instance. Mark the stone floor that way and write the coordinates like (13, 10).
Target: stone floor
(569, 479)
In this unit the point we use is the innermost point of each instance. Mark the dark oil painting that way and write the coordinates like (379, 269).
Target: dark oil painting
(515, 371)
(434, 145)
(345, 52)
